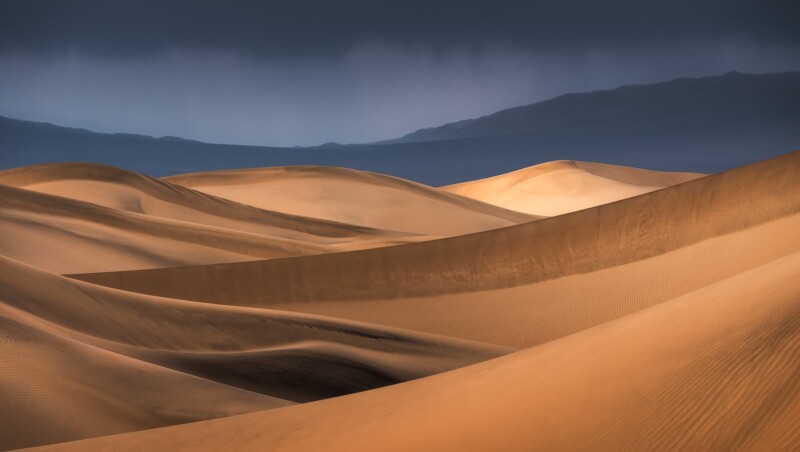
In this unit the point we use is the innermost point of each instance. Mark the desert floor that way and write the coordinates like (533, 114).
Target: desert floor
(565, 306)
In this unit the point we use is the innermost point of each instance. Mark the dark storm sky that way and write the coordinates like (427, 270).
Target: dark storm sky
(305, 72)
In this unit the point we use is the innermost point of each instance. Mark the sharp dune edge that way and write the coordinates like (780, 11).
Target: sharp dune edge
(561, 187)
(357, 197)
(564, 273)
(726, 379)
(667, 319)
(129, 221)
(236, 360)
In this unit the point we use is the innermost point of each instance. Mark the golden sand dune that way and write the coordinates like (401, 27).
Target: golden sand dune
(126, 221)
(64, 235)
(556, 188)
(666, 321)
(715, 369)
(109, 361)
(55, 389)
(128, 191)
(522, 285)
(354, 197)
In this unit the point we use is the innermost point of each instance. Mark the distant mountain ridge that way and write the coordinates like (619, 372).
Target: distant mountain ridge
(47, 126)
(702, 125)
(738, 91)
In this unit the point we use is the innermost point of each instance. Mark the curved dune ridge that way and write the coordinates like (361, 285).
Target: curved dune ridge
(128, 191)
(110, 361)
(560, 274)
(668, 320)
(355, 197)
(559, 187)
(715, 369)
(124, 190)
(64, 235)
(127, 221)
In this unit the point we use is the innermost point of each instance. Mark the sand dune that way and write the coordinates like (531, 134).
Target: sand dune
(129, 221)
(716, 369)
(354, 197)
(64, 235)
(556, 188)
(54, 389)
(665, 321)
(560, 274)
(134, 348)
(128, 191)
(125, 221)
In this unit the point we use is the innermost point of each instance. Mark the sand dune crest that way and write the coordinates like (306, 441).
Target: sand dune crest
(567, 272)
(666, 320)
(560, 187)
(355, 197)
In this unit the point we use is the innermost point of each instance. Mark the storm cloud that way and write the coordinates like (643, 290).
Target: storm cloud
(303, 73)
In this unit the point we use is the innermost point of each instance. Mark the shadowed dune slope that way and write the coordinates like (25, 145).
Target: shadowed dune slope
(55, 389)
(119, 189)
(64, 235)
(128, 221)
(559, 187)
(664, 321)
(81, 360)
(526, 284)
(354, 197)
(714, 369)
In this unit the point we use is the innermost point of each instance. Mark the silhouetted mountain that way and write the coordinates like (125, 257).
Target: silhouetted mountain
(705, 125)
(330, 144)
(722, 101)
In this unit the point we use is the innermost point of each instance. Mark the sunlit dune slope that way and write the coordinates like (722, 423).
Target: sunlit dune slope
(55, 389)
(64, 235)
(119, 189)
(714, 369)
(354, 197)
(125, 220)
(77, 217)
(82, 360)
(559, 187)
(527, 284)
(664, 321)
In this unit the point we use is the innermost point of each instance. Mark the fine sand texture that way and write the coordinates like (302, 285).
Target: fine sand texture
(521, 285)
(354, 197)
(568, 306)
(715, 369)
(81, 360)
(556, 188)
(128, 221)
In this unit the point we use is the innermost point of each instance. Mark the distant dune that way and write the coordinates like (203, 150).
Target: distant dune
(126, 220)
(560, 187)
(310, 308)
(355, 197)
(128, 191)
(581, 269)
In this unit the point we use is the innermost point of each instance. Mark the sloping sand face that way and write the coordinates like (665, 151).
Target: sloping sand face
(81, 360)
(716, 369)
(123, 190)
(665, 321)
(560, 187)
(62, 235)
(355, 197)
(127, 221)
(562, 273)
